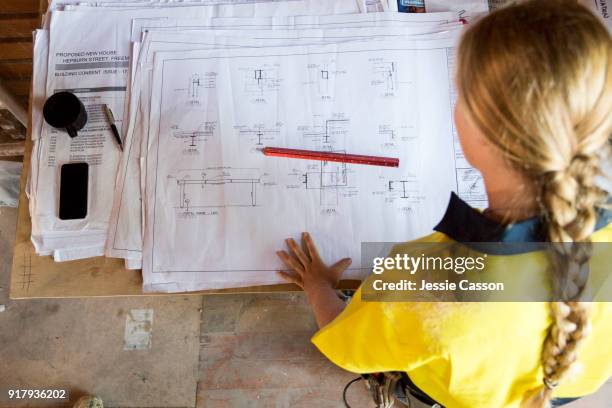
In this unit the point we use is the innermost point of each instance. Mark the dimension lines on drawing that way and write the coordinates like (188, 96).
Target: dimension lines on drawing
(402, 188)
(219, 191)
(470, 186)
(331, 129)
(322, 79)
(385, 75)
(329, 179)
(259, 134)
(261, 80)
(196, 82)
(193, 136)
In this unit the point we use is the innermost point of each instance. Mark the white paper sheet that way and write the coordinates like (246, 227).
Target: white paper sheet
(466, 9)
(39, 79)
(375, 6)
(216, 212)
(125, 231)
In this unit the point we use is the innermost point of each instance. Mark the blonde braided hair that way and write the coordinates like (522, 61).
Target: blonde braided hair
(536, 79)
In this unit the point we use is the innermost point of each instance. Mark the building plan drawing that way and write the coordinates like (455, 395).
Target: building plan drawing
(125, 229)
(232, 190)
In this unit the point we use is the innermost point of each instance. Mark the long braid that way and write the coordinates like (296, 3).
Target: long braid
(569, 200)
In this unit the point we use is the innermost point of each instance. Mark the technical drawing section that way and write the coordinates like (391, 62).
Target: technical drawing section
(327, 132)
(330, 180)
(197, 81)
(470, 187)
(193, 138)
(385, 77)
(260, 82)
(217, 188)
(393, 137)
(388, 132)
(403, 190)
(322, 79)
(402, 193)
(259, 134)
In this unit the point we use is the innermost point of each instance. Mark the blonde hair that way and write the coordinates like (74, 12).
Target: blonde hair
(536, 79)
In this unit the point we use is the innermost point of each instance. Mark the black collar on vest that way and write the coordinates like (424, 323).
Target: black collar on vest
(466, 224)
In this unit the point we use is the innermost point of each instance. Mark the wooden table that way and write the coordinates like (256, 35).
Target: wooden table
(34, 276)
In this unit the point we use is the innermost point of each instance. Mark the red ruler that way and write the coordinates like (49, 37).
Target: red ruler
(331, 156)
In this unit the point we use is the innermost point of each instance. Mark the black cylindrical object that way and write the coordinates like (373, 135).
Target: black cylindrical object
(64, 110)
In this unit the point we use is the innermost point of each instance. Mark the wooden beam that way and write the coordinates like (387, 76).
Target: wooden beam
(11, 149)
(17, 87)
(19, 6)
(8, 100)
(17, 28)
(16, 50)
(20, 69)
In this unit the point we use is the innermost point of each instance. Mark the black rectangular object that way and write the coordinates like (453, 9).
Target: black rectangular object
(74, 180)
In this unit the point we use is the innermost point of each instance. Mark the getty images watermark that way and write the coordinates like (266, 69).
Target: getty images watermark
(496, 272)
(411, 265)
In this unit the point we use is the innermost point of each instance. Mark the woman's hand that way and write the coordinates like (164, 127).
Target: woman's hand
(319, 281)
(306, 269)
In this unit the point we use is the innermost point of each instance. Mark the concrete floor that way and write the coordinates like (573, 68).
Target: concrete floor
(213, 351)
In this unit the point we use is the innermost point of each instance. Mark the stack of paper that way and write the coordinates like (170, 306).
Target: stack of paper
(85, 48)
(201, 89)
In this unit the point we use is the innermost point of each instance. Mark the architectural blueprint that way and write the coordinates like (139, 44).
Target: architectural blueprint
(217, 208)
(125, 230)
